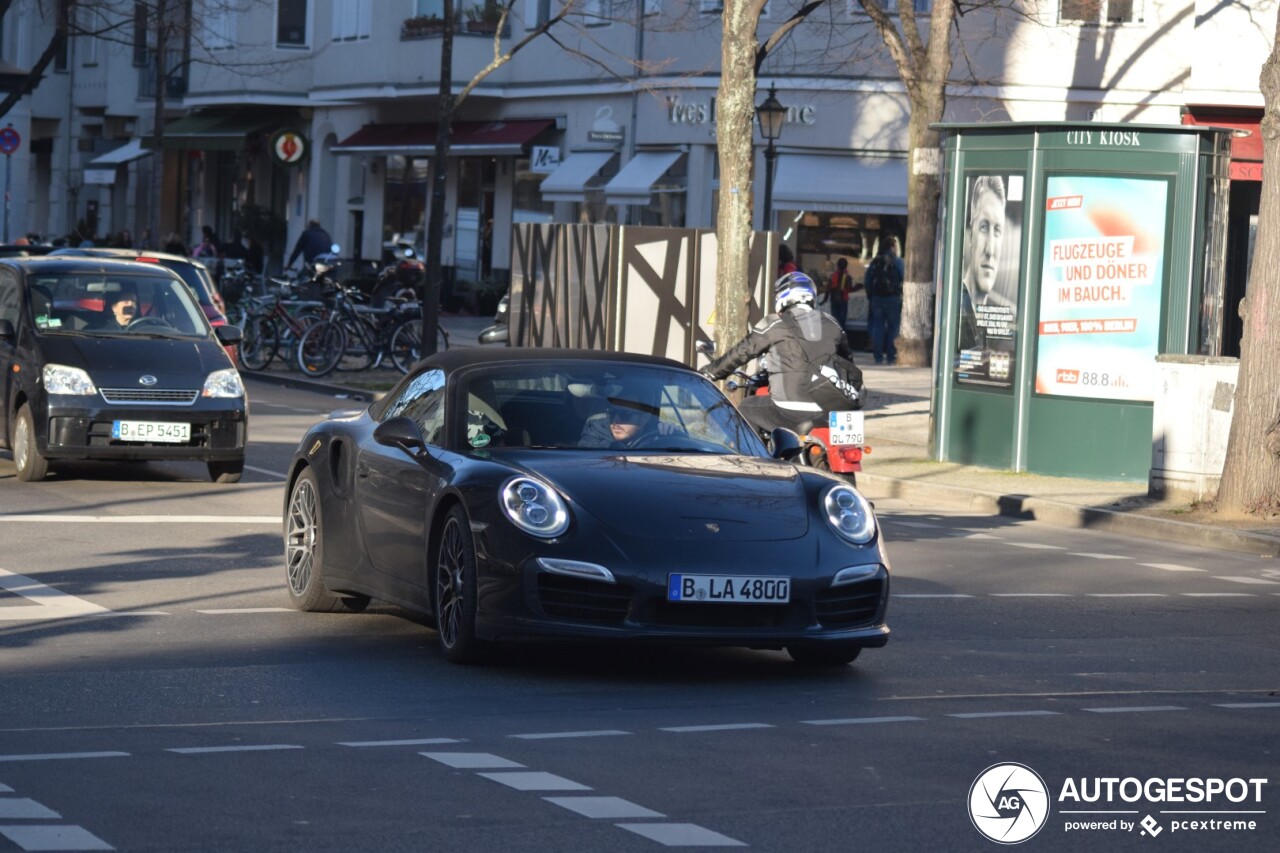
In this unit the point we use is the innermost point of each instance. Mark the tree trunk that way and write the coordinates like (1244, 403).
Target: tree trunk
(439, 183)
(735, 111)
(915, 339)
(1251, 475)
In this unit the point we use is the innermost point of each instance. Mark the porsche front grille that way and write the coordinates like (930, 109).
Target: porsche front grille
(584, 600)
(851, 604)
(151, 396)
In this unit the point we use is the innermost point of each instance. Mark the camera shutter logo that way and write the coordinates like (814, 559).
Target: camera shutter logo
(1008, 803)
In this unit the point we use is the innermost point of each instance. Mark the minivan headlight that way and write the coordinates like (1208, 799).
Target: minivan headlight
(849, 514)
(72, 381)
(224, 383)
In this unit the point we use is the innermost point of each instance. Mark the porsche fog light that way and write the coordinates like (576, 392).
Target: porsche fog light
(535, 507)
(224, 383)
(60, 379)
(849, 514)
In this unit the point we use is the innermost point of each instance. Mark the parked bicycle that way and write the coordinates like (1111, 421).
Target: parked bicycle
(357, 337)
(277, 321)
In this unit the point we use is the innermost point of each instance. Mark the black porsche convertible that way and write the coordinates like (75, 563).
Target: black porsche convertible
(514, 494)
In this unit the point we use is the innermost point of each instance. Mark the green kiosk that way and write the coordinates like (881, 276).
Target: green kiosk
(1073, 255)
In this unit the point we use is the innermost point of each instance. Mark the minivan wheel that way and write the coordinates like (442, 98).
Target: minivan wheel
(26, 456)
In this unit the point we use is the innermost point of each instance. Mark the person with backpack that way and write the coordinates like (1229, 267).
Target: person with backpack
(791, 340)
(842, 287)
(883, 282)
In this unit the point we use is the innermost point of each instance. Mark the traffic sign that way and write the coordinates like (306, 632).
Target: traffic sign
(9, 140)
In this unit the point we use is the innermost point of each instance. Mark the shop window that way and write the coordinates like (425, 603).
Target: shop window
(1097, 12)
(291, 23)
(527, 202)
(404, 201)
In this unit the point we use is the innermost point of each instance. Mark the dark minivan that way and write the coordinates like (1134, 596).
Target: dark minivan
(104, 359)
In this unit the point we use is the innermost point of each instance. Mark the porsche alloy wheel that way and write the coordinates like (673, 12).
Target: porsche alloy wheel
(456, 591)
(303, 540)
(26, 455)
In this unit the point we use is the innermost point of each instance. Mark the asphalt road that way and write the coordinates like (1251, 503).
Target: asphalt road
(156, 694)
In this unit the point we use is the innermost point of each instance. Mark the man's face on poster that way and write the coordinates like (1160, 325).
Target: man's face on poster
(986, 231)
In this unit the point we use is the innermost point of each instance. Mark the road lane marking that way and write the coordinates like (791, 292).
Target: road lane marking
(554, 735)
(680, 835)
(979, 536)
(22, 808)
(54, 838)
(147, 519)
(609, 808)
(63, 756)
(259, 747)
(1239, 579)
(1098, 556)
(226, 610)
(1218, 594)
(854, 721)
(1136, 709)
(931, 595)
(426, 741)
(724, 727)
(1125, 595)
(1248, 705)
(269, 473)
(535, 780)
(50, 603)
(470, 760)
(1037, 546)
(1031, 595)
(920, 524)
(982, 715)
(1170, 567)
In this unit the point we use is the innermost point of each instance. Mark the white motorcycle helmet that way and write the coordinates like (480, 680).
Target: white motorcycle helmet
(792, 289)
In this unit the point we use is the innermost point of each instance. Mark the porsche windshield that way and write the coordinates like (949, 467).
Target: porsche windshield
(601, 405)
(98, 304)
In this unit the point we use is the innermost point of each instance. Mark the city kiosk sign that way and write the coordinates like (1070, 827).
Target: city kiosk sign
(1073, 255)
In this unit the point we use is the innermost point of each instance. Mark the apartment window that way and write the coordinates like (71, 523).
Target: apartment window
(710, 6)
(87, 23)
(434, 8)
(217, 26)
(351, 19)
(652, 7)
(1100, 12)
(291, 23)
(536, 13)
(922, 7)
(141, 55)
(595, 13)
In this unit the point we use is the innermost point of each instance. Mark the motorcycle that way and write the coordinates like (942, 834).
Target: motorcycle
(837, 445)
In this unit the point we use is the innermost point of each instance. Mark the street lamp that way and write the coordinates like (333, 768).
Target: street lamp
(772, 116)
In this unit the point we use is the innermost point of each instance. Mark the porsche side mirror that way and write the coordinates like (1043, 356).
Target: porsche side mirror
(228, 335)
(785, 443)
(403, 433)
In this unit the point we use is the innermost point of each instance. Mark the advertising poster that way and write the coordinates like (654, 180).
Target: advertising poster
(990, 273)
(1102, 286)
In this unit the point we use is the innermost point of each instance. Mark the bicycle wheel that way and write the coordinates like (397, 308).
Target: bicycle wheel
(259, 344)
(320, 349)
(442, 339)
(406, 344)
(358, 354)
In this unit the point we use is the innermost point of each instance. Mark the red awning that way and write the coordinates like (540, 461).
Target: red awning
(1246, 149)
(470, 138)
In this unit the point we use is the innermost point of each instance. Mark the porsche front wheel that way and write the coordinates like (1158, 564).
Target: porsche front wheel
(303, 541)
(455, 591)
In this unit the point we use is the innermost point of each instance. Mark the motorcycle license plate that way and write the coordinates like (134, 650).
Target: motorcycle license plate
(847, 428)
(728, 589)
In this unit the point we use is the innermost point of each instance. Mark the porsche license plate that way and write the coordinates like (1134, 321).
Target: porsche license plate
(157, 431)
(847, 428)
(728, 589)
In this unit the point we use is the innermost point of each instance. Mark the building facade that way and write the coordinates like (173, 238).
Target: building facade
(613, 121)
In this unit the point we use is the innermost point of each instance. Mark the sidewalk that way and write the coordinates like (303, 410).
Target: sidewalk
(899, 466)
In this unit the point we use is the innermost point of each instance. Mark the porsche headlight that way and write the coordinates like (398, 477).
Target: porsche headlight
(224, 383)
(535, 507)
(849, 514)
(60, 379)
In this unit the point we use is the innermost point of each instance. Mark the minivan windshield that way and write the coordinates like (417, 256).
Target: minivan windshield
(115, 305)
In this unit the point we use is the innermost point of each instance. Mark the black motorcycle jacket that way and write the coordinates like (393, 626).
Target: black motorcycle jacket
(783, 338)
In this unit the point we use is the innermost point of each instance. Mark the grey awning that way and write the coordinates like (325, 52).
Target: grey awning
(569, 181)
(634, 184)
(840, 184)
(126, 153)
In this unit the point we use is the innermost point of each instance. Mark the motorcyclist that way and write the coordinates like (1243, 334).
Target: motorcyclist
(792, 338)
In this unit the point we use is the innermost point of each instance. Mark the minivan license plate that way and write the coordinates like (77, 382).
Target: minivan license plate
(728, 589)
(158, 431)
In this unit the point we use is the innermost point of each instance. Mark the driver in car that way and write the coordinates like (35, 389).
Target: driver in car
(120, 309)
(631, 424)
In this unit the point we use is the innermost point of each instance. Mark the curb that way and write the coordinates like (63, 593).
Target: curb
(1069, 515)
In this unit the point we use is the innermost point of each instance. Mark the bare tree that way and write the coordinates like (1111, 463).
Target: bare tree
(1251, 474)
